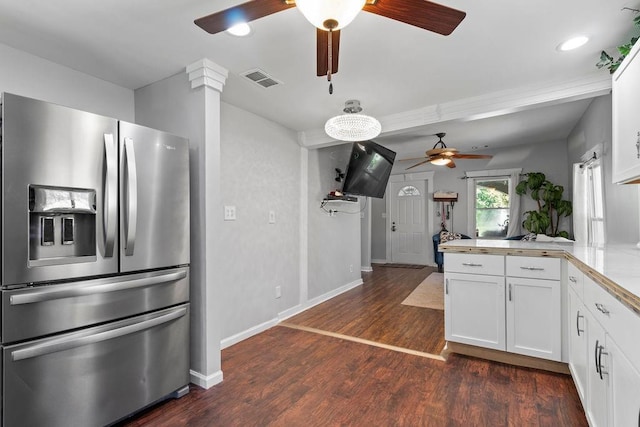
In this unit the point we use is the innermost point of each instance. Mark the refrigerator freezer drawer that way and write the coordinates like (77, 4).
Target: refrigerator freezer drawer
(44, 310)
(99, 375)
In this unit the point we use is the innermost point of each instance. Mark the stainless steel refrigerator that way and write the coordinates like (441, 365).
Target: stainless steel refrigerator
(95, 266)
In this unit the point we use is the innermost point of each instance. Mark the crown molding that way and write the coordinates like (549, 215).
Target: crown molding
(480, 107)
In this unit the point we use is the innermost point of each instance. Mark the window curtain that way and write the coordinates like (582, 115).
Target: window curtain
(580, 208)
(515, 222)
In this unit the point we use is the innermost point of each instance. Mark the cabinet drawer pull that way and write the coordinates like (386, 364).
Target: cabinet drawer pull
(471, 264)
(601, 308)
(573, 279)
(532, 268)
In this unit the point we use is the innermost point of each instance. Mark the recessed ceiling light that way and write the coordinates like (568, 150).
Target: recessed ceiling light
(240, 30)
(573, 43)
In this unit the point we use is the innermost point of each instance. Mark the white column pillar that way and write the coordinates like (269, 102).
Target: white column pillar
(207, 81)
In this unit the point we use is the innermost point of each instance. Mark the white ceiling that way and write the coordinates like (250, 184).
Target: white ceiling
(390, 67)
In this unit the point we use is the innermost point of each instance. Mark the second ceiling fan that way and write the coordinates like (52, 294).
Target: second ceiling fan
(329, 16)
(440, 155)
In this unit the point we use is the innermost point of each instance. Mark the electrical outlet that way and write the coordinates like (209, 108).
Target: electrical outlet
(272, 217)
(278, 291)
(351, 268)
(229, 213)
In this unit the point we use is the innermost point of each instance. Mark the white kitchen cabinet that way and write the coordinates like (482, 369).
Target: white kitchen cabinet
(533, 318)
(520, 313)
(597, 375)
(624, 398)
(578, 345)
(626, 119)
(474, 309)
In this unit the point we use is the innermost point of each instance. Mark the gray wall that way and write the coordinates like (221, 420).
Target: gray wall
(28, 75)
(260, 173)
(621, 201)
(334, 242)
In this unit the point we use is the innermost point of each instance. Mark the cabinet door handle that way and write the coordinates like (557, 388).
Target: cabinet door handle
(600, 353)
(573, 279)
(509, 291)
(596, 356)
(601, 308)
(446, 287)
(578, 323)
(471, 264)
(532, 268)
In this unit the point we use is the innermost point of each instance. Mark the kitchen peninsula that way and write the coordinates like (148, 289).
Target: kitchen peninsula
(544, 304)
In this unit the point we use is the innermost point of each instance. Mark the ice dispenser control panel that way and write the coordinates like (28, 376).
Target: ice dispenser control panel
(62, 225)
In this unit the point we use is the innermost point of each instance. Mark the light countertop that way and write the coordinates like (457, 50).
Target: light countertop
(615, 267)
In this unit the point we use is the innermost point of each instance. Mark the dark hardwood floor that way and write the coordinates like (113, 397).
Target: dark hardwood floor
(292, 377)
(374, 312)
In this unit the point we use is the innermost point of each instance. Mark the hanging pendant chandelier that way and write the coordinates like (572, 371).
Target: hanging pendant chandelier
(352, 126)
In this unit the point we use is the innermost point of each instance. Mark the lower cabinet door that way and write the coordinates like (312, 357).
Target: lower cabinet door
(625, 388)
(474, 310)
(534, 326)
(99, 375)
(597, 375)
(578, 350)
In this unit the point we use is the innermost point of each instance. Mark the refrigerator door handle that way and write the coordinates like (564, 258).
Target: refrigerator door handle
(131, 197)
(110, 194)
(49, 293)
(66, 343)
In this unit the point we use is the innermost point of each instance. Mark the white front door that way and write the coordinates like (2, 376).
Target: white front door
(408, 219)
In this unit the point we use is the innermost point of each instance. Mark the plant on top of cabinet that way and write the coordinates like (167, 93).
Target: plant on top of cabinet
(551, 206)
(607, 61)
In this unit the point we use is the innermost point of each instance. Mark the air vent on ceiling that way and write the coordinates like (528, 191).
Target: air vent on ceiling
(261, 78)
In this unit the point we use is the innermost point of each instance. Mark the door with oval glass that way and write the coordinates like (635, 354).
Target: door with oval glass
(408, 222)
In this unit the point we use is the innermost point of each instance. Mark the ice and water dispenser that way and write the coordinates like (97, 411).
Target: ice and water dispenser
(62, 225)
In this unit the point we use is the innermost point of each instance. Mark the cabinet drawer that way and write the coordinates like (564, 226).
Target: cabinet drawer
(474, 263)
(533, 267)
(576, 280)
(620, 323)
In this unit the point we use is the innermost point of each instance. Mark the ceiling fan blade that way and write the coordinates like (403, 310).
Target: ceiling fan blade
(322, 43)
(472, 156)
(451, 164)
(420, 13)
(245, 12)
(417, 164)
(414, 158)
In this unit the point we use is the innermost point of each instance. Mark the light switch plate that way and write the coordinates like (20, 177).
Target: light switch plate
(229, 213)
(272, 217)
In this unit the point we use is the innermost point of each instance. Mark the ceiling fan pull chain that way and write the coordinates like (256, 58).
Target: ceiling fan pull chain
(330, 60)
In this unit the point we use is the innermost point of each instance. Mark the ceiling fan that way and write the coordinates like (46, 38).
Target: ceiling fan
(329, 16)
(441, 155)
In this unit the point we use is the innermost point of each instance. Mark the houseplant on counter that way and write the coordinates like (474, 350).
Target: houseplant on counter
(551, 206)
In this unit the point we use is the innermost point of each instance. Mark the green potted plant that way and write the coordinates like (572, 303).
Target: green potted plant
(551, 206)
(607, 61)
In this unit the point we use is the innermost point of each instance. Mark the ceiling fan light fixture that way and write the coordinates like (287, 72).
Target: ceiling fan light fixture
(440, 161)
(352, 126)
(240, 30)
(339, 13)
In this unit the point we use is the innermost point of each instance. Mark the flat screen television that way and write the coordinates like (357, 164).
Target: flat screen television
(368, 170)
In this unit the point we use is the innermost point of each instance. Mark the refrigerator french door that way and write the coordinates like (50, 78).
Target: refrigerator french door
(95, 265)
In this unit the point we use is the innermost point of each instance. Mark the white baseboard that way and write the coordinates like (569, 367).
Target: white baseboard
(366, 269)
(248, 333)
(205, 381)
(318, 300)
(378, 261)
(234, 339)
